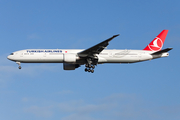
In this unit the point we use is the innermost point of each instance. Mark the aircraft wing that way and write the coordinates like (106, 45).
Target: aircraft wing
(96, 49)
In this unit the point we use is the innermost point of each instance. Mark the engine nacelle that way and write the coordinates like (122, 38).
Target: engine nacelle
(69, 58)
(68, 66)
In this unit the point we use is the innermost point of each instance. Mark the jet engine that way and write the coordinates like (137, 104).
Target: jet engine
(68, 66)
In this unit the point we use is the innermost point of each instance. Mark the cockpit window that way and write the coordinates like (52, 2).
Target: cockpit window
(12, 54)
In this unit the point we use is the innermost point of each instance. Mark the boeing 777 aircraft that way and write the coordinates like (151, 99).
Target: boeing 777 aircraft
(74, 58)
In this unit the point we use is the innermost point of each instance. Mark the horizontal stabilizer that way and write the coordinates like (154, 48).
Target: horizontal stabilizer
(162, 51)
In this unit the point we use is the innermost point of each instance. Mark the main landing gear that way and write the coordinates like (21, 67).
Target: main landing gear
(19, 65)
(89, 68)
(90, 65)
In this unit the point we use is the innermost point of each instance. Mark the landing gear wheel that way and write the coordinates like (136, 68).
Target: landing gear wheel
(89, 66)
(19, 67)
(19, 64)
(93, 66)
(91, 61)
(92, 71)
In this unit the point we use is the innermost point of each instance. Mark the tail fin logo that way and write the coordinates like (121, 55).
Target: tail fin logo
(158, 42)
(156, 45)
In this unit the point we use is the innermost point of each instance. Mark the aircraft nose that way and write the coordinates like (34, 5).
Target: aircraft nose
(8, 57)
(11, 57)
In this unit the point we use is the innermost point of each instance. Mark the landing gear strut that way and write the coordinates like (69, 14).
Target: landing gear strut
(19, 65)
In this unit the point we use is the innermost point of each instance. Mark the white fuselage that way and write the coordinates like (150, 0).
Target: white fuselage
(57, 56)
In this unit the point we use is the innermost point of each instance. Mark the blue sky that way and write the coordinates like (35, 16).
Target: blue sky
(147, 90)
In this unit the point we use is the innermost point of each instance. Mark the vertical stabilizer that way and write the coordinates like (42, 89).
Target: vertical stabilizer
(157, 43)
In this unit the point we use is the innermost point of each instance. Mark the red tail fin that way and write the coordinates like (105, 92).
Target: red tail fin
(158, 42)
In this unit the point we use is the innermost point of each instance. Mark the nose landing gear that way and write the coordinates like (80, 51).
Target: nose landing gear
(19, 65)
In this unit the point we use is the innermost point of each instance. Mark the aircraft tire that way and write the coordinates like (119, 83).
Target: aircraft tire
(93, 66)
(86, 69)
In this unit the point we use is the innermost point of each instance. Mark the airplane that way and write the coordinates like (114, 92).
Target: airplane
(97, 54)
